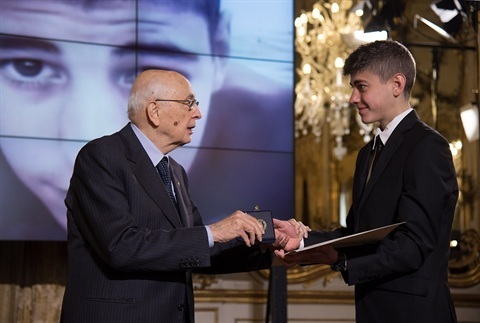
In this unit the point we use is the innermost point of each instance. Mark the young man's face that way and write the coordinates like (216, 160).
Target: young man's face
(374, 99)
(68, 92)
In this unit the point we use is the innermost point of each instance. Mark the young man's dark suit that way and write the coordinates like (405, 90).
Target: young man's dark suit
(402, 278)
(130, 256)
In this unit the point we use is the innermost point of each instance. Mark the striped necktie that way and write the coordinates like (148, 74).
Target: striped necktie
(167, 179)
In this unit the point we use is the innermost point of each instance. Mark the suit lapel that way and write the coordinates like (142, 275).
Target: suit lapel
(147, 175)
(363, 173)
(395, 140)
(181, 193)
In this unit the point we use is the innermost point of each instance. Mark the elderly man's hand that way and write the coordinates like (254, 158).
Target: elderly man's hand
(237, 224)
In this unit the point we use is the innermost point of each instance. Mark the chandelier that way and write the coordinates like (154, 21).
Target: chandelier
(325, 36)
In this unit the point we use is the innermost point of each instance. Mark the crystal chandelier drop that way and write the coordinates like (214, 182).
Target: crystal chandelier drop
(324, 38)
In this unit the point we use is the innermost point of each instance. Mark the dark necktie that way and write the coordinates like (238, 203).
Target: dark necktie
(374, 156)
(166, 178)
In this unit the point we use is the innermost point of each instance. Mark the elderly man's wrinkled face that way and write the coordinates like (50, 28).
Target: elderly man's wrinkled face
(177, 110)
(68, 81)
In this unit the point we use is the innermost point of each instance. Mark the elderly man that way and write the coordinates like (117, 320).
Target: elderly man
(134, 234)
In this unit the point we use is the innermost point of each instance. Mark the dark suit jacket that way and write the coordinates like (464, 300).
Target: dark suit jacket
(403, 278)
(130, 257)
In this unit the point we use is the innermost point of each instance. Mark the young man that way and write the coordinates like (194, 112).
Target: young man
(404, 278)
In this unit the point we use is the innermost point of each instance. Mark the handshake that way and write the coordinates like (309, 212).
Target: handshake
(244, 226)
(288, 237)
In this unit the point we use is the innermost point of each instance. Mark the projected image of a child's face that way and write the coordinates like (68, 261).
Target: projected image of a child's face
(66, 69)
(67, 78)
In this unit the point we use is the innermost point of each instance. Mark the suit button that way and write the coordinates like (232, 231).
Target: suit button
(181, 307)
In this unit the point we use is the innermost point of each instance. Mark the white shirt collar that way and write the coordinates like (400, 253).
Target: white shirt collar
(385, 134)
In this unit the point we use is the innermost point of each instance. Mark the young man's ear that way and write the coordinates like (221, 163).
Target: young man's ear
(399, 81)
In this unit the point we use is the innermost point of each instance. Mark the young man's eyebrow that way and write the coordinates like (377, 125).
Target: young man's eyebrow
(166, 48)
(10, 42)
(27, 43)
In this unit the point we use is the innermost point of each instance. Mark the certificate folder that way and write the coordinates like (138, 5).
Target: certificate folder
(369, 236)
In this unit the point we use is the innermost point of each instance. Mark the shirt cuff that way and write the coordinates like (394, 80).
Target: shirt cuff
(210, 236)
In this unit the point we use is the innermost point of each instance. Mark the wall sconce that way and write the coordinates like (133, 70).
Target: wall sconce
(469, 116)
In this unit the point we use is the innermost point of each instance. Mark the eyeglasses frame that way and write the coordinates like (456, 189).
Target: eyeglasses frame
(189, 103)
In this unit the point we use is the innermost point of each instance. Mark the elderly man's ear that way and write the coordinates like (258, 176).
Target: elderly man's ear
(153, 114)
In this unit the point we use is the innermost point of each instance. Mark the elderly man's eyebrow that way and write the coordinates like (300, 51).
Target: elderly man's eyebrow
(23, 43)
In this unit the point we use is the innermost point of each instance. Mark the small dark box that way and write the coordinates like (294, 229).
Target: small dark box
(265, 218)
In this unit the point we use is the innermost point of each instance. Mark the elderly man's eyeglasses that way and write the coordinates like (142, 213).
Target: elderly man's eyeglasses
(189, 103)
